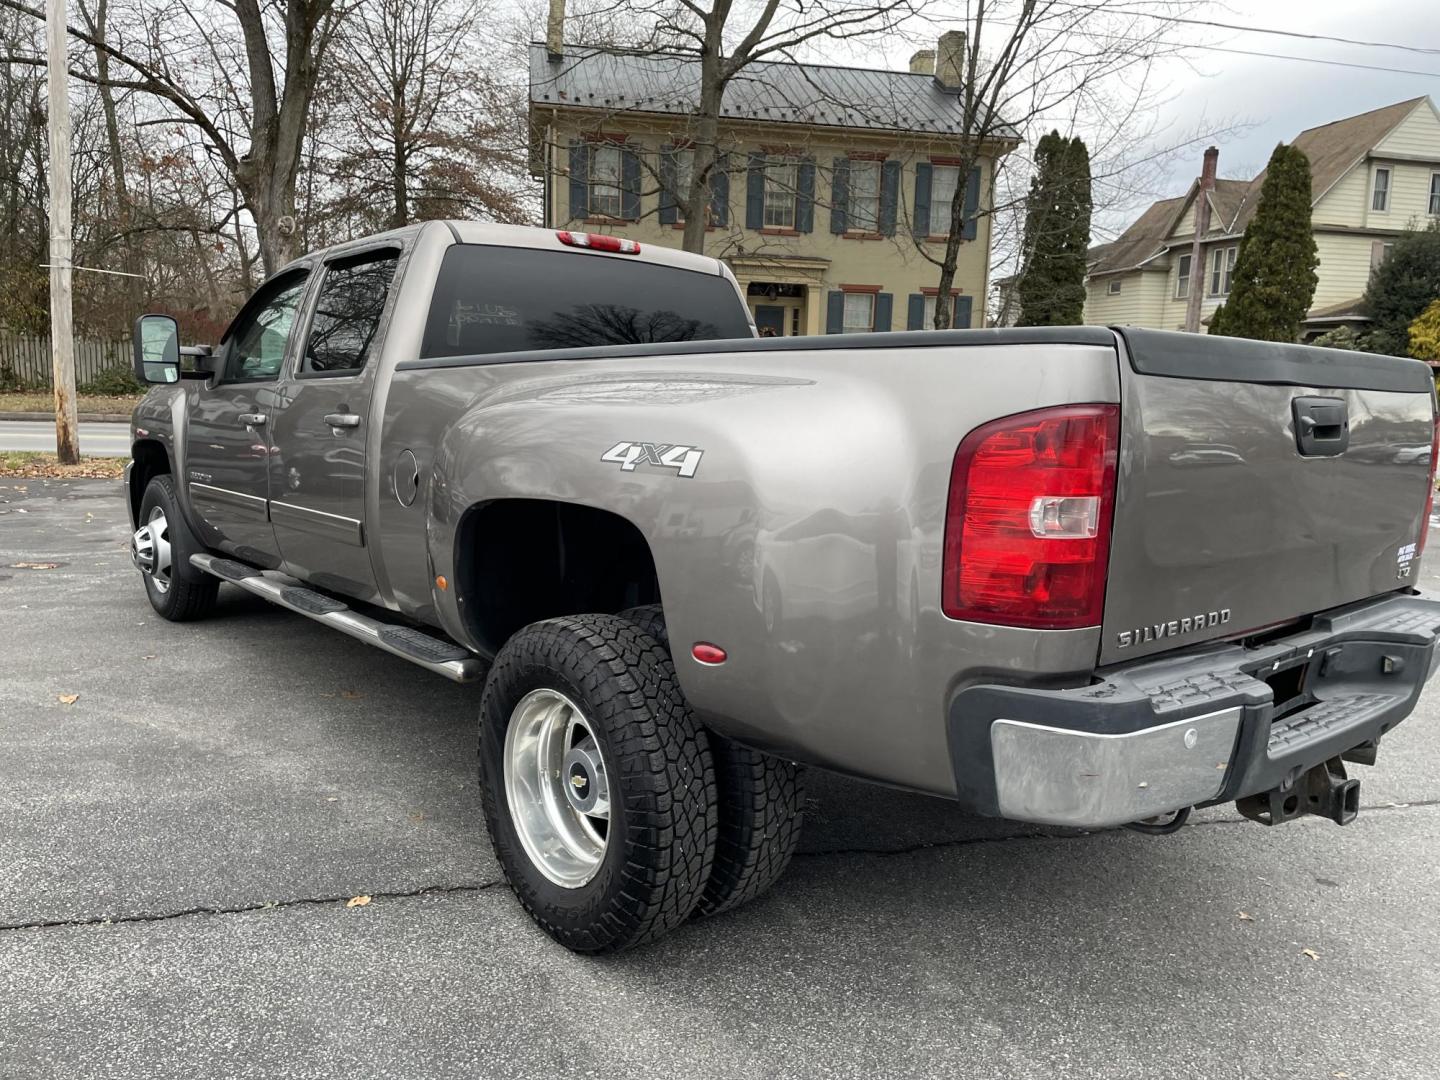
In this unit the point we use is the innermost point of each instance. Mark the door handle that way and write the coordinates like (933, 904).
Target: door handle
(342, 419)
(252, 419)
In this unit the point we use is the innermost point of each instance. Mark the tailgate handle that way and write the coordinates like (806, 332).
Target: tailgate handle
(1322, 426)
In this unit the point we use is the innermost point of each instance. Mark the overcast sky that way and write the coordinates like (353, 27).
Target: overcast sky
(1271, 100)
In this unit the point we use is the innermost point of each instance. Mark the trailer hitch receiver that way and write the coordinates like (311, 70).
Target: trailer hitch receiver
(1325, 790)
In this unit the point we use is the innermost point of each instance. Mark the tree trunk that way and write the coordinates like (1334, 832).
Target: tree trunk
(953, 239)
(134, 285)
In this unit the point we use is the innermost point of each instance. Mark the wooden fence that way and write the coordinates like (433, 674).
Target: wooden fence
(27, 359)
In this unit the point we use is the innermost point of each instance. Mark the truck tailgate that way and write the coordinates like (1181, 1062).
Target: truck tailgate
(1226, 519)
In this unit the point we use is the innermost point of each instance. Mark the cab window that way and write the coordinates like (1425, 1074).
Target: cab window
(347, 315)
(260, 334)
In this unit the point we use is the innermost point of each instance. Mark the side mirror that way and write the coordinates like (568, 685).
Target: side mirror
(156, 342)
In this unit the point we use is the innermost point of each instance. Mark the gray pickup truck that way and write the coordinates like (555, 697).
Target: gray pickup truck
(1070, 575)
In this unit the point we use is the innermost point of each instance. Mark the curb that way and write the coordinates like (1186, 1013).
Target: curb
(84, 417)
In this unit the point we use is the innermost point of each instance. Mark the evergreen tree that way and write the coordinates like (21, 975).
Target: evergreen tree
(1401, 288)
(1425, 333)
(1057, 232)
(1216, 323)
(1275, 277)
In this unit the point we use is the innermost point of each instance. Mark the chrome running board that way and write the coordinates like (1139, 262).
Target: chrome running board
(431, 653)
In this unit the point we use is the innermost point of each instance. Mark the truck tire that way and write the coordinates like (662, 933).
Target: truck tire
(589, 753)
(161, 548)
(761, 800)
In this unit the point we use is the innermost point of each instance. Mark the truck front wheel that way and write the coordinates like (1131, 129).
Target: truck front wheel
(161, 548)
(597, 782)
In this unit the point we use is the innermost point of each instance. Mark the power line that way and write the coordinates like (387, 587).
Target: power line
(1270, 30)
(1309, 60)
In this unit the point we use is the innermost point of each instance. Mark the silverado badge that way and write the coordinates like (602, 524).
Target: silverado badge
(1189, 624)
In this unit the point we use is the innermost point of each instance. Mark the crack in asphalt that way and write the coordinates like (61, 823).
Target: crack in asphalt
(485, 886)
(243, 909)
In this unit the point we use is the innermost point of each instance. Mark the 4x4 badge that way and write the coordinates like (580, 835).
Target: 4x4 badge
(684, 459)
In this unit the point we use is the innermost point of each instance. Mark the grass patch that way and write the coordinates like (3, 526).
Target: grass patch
(30, 464)
(43, 402)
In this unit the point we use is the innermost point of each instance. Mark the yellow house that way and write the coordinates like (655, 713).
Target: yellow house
(1372, 177)
(835, 183)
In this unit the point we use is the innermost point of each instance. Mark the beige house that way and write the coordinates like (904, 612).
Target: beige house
(1372, 176)
(833, 181)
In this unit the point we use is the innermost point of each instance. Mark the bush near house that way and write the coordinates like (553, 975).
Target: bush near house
(1401, 288)
(1425, 333)
(1275, 277)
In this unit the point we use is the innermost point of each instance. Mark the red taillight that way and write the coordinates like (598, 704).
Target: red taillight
(1027, 531)
(1429, 491)
(598, 242)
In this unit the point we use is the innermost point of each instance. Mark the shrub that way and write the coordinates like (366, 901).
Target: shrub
(116, 381)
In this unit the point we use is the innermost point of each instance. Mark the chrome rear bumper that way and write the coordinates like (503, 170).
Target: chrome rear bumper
(1205, 725)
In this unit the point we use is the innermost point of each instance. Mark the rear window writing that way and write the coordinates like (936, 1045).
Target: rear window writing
(503, 299)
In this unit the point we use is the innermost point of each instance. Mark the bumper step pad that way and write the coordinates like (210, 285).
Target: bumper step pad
(432, 653)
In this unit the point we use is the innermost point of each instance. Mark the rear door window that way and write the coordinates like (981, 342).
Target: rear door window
(502, 299)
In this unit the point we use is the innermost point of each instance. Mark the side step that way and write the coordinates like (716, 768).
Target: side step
(431, 653)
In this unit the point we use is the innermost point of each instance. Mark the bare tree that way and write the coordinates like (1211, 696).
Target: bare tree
(422, 128)
(1020, 65)
(279, 56)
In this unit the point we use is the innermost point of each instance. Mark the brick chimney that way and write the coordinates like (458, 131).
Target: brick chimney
(555, 30)
(950, 61)
(1197, 250)
(923, 62)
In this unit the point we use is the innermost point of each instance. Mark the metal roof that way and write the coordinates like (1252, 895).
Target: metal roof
(768, 91)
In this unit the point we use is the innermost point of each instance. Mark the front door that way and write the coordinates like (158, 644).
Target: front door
(227, 446)
(318, 436)
(770, 320)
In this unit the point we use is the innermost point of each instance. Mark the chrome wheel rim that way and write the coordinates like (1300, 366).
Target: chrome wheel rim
(557, 788)
(150, 549)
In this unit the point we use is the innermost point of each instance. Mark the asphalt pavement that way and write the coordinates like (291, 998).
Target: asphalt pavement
(178, 844)
(96, 439)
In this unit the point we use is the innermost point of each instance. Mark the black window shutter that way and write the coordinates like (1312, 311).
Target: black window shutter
(720, 191)
(962, 312)
(669, 197)
(915, 312)
(835, 312)
(579, 179)
(884, 311)
(805, 199)
(924, 171)
(972, 203)
(630, 184)
(840, 196)
(889, 196)
(755, 192)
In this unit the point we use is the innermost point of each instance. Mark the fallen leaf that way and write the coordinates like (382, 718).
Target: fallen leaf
(36, 565)
(150, 657)
(351, 695)
(1246, 917)
(1311, 953)
(332, 798)
(357, 901)
(68, 699)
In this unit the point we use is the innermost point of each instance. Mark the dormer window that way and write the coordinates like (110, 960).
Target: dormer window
(1380, 201)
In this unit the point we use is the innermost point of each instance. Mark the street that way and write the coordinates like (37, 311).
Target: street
(178, 845)
(96, 439)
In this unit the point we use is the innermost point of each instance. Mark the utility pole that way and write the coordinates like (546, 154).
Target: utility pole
(62, 328)
(1197, 249)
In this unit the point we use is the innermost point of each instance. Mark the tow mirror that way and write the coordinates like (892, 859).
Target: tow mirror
(156, 343)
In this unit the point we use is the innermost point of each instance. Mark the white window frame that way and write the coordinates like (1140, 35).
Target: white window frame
(684, 160)
(940, 198)
(1380, 196)
(930, 299)
(1435, 194)
(1114, 287)
(1222, 269)
(782, 180)
(863, 206)
(850, 323)
(606, 199)
(1184, 271)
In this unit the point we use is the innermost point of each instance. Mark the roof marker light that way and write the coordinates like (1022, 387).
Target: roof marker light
(598, 242)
